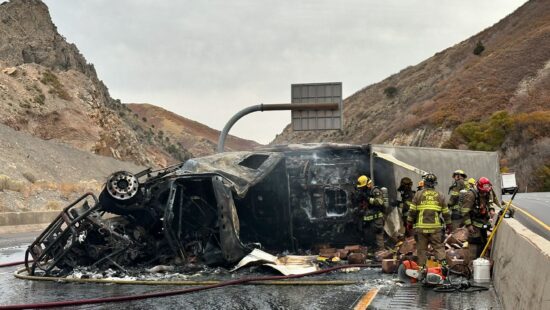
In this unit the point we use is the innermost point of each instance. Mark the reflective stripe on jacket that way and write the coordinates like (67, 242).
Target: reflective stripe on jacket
(426, 208)
(372, 217)
(454, 192)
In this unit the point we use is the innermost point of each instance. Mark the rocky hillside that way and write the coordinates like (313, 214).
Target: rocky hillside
(197, 138)
(49, 90)
(36, 174)
(490, 92)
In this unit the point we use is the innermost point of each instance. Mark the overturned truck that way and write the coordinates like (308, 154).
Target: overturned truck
(216, 209)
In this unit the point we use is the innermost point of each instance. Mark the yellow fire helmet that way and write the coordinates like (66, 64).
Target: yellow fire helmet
(363, 181)
(472, 181)
(460, 172)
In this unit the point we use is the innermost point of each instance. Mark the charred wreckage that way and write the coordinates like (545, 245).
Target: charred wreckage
(212, 210)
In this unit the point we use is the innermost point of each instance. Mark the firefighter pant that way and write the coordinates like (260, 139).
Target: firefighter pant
(373, 232)
(456, 218)
(422, 241)
(455, 224)
(477, 241)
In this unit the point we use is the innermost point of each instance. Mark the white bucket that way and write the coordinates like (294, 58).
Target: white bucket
(482, 270)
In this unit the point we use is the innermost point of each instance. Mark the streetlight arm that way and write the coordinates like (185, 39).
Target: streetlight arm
(233, 120)
(270, 107)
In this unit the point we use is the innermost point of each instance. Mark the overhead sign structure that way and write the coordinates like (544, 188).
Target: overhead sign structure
(314, 107)
(317, 93)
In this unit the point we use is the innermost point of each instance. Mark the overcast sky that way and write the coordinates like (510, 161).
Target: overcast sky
(206, 60)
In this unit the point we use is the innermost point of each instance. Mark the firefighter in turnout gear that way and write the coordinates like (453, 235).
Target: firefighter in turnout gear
(369, 201)
(459, 184)
(407, 194)
(475, 211)
(426, 210)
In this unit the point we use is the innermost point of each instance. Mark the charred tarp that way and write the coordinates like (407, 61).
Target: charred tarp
(213, 210)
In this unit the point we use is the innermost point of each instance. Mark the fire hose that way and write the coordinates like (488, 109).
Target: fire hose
(251, 280)
(465, 287)
(13, 264)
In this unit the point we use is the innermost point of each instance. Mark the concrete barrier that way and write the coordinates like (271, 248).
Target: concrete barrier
(27, 218)
(521, 267)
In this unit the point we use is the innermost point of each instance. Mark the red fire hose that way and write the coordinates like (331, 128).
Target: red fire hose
(166, 293)
(13, 264)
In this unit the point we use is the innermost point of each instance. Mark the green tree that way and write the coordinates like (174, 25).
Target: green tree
(390, 91)
(479, 48)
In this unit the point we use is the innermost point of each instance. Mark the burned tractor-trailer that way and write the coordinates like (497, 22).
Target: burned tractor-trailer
(216, 209)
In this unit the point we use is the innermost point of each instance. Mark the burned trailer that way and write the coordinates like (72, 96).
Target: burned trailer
(212, 210)
(216, 209)
(322, 182)
(302, 197)
(153, 217)
(390, 163)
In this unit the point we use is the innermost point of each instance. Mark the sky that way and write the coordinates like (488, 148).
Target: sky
(206, 60)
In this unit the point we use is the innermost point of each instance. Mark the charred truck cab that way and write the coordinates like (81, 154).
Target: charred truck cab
(214, 210)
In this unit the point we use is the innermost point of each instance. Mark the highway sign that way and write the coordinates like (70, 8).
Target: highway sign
(316, 93)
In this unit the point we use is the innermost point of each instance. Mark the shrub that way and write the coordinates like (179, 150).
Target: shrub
(40, 99)
(487, 135)
(543, 176)
(56, 88)
(6, 183)
(144, 119)
(479, 48)
(30, 177)
(390, 91)
(53, 205)
(533, 125)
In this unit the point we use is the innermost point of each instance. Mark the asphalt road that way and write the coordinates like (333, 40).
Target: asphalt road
(533, 211)
(16, 291)
(391, 294)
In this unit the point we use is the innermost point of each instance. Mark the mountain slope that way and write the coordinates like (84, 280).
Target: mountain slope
(49, 90)
(36, 174)
(489, 92)
(198, 138)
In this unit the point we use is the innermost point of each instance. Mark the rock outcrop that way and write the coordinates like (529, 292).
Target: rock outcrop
(489, 93)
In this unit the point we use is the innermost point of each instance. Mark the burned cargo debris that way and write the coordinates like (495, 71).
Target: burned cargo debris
(212, 210)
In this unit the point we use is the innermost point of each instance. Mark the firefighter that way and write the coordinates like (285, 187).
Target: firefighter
(475, 210)
(459, 184)
(407, 194)
(370, 204)
(426, 209)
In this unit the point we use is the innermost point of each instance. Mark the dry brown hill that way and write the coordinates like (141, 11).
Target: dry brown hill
(36, 174)
(49, 90)
(490, 92)
(197, 138)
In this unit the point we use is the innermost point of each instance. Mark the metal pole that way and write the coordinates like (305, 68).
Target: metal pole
(270, 107)
(498, 223)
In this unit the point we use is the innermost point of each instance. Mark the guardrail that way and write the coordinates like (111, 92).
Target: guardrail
(521, 267)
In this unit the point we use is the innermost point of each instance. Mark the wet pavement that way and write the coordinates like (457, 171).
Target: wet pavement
(391, 295)
(418, 297)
